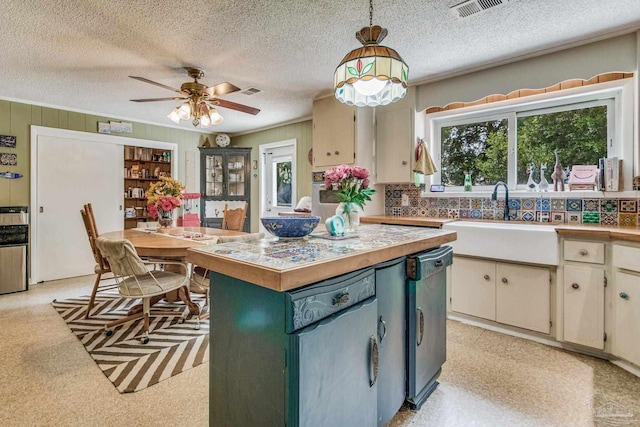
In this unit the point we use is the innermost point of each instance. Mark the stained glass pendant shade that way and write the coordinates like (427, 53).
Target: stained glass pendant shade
(371, 75)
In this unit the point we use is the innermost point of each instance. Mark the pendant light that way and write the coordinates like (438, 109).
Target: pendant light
(371, 75)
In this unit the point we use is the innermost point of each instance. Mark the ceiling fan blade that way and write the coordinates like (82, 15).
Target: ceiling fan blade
(174, 98)
(233, 106)
(142, 79)
(221, 89)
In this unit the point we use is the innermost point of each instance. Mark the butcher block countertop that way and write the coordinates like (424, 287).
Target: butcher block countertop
(289, 264)
(420, 221)
(578, 231)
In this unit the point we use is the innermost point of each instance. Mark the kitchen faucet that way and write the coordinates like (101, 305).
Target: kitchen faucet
(494, 196)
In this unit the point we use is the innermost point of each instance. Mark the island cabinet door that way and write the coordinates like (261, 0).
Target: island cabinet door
(426, 321)
(390, 292)
(333, 376)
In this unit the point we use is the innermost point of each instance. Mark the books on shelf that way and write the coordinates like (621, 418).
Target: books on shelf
(612, 174)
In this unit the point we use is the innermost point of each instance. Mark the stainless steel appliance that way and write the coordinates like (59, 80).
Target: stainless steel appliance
(323, 202)
(14, 237)
(427, 313)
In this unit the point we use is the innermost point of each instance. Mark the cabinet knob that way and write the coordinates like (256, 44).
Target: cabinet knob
(486, 277)
(624, 295)
(336, 153)
(583, 252)
(504, 280)
(404, 163)
(328, 153)
(575, 286)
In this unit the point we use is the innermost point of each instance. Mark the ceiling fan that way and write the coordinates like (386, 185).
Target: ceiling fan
(200, 100)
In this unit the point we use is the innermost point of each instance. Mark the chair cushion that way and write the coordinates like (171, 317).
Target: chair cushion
(144, 285)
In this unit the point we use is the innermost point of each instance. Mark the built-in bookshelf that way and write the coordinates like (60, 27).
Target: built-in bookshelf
(142, 166)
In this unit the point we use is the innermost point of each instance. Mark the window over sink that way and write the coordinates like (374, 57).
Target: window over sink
(499, 141)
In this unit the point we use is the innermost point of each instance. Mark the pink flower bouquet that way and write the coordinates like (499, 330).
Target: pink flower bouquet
(351, 184)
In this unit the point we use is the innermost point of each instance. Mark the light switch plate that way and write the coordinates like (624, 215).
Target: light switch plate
(405, 199)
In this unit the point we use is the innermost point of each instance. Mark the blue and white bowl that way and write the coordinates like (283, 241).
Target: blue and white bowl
(289, 227)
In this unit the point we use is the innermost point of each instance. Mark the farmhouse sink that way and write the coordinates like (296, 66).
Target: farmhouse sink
(511, 241)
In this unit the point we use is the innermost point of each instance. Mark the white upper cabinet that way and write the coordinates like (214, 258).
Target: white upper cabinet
(334, 133)
(397, 126)
(394, 139)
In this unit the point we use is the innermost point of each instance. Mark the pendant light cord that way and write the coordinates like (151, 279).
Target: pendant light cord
(370, 13)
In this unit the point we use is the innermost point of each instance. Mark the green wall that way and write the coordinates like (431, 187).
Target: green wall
(16, 118)
(302, 132)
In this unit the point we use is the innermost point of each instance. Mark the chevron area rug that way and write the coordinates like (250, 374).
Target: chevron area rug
(131, 366)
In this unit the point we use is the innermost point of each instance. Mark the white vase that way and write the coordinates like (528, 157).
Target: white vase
(350, 213)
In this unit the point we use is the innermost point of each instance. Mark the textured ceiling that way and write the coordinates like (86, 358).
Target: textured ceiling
(77, 54)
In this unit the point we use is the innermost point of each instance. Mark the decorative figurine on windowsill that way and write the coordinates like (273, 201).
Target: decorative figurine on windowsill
(531, 184)
(558, 176)
(544, 184)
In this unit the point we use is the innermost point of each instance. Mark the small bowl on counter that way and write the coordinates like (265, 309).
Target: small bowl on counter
(290, 227)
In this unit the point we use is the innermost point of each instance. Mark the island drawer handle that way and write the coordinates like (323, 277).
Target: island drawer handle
(624, 295)
(575, 286)
(342, 299)
(420, 326)
(486, 277)
(373, 361)
(382, 324)
(439, 263)
(583, 252)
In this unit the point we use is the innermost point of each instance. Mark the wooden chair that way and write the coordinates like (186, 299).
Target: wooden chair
(135, 280)
(233, 219)
(102, 266)
(200, 276)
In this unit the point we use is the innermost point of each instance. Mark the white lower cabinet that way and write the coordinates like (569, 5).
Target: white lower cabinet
(512, 294)
(626, 323)
(473, 289)
(583, 306)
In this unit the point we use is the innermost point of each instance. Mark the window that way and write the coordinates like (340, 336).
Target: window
(504, 142)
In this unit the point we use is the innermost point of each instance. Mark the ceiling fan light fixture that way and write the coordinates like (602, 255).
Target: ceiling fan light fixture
(371, 75)
(184, 111)
(205, 121)
(215, 117)
(174, 116)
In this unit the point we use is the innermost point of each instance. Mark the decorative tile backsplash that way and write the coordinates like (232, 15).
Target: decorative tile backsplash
(570, 210)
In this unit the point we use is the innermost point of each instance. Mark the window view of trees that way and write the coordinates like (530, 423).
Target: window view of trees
(579, 135)
(476, 148)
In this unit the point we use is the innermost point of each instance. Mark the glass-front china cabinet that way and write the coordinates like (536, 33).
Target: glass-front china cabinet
(224, 179)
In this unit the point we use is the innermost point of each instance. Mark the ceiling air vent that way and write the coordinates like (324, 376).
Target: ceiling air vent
(471, 7)
(251, 91)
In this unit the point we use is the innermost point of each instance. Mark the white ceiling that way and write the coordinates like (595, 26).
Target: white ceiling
(77, 54)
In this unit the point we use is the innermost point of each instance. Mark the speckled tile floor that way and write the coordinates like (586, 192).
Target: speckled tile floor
(489, 379)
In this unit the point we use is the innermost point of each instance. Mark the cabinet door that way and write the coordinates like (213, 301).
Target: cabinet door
(213, 170)
(522, 296)
(390, 292)
(334, 363)
(394, 139)
(473, 289)
(431, 318)
(334, 133)
(626, 323)
(584, 305)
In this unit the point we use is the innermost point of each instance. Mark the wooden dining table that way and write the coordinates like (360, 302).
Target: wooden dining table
(171, 245)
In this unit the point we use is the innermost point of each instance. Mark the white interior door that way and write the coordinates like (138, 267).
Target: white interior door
(278, 178)
(71, 173)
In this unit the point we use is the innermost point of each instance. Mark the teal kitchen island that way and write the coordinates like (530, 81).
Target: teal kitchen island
(318, 332)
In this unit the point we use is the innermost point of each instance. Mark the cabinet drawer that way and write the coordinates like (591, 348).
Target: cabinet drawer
(320, 300)
(592, 252)
(626, 257)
